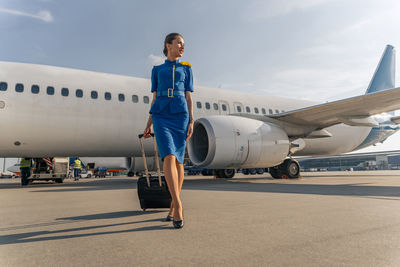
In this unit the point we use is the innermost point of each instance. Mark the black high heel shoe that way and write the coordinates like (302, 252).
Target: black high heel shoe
(169, 219)
(178, 224)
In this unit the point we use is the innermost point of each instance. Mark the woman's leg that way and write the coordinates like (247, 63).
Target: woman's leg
(181, 176)
(171, 176)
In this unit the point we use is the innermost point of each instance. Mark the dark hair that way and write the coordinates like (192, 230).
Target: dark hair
(168, 40)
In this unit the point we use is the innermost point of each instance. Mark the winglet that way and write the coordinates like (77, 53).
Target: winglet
(384, 75)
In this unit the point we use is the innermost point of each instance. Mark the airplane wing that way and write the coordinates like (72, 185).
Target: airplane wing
(354, 111)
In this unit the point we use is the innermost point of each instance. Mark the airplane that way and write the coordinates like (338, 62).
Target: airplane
(65, 112)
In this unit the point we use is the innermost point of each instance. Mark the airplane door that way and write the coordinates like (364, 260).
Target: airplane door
(223, 107)
(238, 107)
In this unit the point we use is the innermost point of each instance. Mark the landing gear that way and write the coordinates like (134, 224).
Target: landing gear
(289, 168)
(225, 173)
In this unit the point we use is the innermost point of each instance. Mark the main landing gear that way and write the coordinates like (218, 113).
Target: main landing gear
(290, 168)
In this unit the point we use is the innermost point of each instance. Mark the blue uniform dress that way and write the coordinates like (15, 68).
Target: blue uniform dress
(170, 114)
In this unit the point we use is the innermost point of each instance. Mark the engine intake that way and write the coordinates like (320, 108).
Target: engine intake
(236, 142)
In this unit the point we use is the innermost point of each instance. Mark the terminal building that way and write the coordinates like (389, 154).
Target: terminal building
(386, 160)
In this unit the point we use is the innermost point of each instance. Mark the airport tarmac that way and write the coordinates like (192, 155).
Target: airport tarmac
(323, 219)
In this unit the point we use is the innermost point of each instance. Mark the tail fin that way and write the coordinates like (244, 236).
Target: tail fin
(385, 72)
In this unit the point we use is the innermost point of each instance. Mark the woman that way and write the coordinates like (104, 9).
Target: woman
(171, 115)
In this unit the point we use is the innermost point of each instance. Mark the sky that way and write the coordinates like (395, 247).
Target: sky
(318, 50)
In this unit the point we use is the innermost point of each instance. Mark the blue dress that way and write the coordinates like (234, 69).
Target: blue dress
(169, 111)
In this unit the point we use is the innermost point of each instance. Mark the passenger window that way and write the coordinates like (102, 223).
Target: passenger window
(215, 106)
(64, 92)
(146, 99)
(19, 87)
(135, 98)
(239, 109)
(270, 111)
(35, 89)
(248, 109)
(282, 111)
(107, 96)
(256, 110)
(79, 93)
(94, 94)
(3, 86)
(198, 105)
(50, 90)
(263, 111)
(121, 97)
(276, 111)
(208, 105)
(224, 107)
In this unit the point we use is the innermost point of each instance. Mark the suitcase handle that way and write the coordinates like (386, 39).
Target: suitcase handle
(145, 162)
(141, 135)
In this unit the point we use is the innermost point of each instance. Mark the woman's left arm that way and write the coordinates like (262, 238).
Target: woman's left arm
(189, 102)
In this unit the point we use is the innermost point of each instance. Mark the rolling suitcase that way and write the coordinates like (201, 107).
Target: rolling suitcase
(152, 190)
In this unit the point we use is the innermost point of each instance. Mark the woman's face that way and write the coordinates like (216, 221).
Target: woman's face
(177, 48)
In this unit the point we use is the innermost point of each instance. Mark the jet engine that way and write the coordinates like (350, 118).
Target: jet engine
(221, 142)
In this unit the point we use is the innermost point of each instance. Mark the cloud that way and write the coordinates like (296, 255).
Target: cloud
(43, 15)
(261, 9)
(155, 60)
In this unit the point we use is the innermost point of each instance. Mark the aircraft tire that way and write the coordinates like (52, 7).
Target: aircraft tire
(291, 168)
(225, 173)
(275, 172)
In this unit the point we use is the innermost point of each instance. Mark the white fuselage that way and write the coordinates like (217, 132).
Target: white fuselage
(42, 125)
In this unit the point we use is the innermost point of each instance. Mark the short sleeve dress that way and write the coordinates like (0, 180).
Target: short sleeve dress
(169, 111)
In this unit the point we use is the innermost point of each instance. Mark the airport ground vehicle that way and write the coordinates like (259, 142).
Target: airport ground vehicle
(57, 171)
(85, 174)
(100, 172)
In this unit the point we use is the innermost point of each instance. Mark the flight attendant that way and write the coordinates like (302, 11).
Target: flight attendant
(171, 115)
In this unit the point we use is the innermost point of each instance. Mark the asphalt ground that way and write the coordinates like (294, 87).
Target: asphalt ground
(322, 219)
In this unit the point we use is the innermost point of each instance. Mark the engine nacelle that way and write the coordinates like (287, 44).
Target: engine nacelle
(236, 142)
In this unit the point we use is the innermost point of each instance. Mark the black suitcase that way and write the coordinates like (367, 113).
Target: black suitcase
(152, 190)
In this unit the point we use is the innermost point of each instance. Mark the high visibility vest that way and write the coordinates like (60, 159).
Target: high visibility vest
(77, 164)
(25, 163)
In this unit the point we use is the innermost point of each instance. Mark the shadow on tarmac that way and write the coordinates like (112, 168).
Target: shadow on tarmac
(34, 236)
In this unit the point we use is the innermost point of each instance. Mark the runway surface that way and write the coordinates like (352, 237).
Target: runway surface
(323, 219)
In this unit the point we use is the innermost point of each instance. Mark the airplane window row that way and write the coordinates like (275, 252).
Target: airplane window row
(238, 108)
(35, 89)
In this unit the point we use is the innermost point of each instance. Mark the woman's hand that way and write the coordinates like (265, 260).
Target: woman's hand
(147, 132)
(190, 130)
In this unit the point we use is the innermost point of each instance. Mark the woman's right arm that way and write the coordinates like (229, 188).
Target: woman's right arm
(147, 130)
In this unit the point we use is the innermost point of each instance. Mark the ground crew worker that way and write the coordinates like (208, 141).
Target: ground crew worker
(25, 166)
(77, 168)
